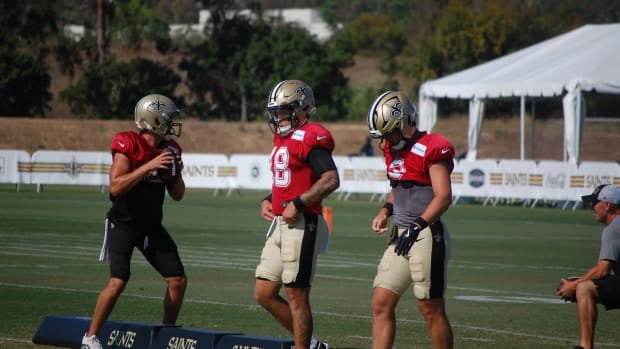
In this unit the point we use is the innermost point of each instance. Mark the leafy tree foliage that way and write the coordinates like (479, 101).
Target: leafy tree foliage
(212, 65)
(24, 85)
(26, 23)
(296, 55)
(135, 21)
(373, 35)
(335, 11)
(25, 79)
(467, 35)
(243, 58)
(177, 11)
(111, 90)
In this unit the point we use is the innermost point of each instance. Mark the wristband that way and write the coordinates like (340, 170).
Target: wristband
(390, 207)
(268, 197)
(420, 222)
(298, 203)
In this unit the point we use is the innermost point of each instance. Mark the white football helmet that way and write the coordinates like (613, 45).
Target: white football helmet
(390, 112)
(156, 113)
(293, 95)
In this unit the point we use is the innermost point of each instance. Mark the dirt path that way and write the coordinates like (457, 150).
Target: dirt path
(500, 137)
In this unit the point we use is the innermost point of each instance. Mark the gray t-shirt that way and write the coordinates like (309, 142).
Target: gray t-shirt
(610, 245)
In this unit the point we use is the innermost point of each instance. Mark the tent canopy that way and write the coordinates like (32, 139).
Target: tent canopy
(585, 59)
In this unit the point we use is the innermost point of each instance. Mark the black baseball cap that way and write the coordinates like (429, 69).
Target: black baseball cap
(604, 192)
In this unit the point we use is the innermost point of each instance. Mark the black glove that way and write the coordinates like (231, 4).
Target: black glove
(409, 236)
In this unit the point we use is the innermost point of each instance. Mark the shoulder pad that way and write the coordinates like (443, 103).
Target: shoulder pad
(123, 142)
(319, 136)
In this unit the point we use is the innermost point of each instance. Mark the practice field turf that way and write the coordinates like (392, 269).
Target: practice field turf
(506, 263)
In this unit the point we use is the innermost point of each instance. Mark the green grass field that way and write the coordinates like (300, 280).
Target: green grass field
(506, 263)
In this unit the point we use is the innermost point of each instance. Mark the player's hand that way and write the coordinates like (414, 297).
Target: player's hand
(409, 236)
(379, 223)
(174, 166)
(406, 240)
(265, 210)
(161, 161)
(289, 215)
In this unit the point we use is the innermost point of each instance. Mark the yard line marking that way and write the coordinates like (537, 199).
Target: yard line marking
(7, 339)
(511, 299)
(339, 259)
(324, 313)
(478, 339)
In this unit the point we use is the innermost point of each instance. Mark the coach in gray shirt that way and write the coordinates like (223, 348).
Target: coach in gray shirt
(600, 284)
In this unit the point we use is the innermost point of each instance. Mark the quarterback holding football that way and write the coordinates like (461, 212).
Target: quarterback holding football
(145, 164)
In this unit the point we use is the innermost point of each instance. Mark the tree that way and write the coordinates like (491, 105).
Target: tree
(111, 90)
(25, 80)
(373, 35)
(243, 58)
(297, 55)
(134, 21)
(213, 65)
(24, 84)
(336, 11)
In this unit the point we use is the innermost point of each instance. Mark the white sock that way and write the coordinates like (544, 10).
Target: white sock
(313, 342)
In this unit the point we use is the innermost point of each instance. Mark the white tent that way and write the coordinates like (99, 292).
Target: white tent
(585, 59)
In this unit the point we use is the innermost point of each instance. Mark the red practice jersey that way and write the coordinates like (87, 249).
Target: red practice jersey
(413, 164)
(142, 205)
(292, 175)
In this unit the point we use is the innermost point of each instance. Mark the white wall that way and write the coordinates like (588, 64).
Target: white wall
(494, 180)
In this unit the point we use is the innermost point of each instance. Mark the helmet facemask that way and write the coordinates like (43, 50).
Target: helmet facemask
(172, 128)
(156, 113)
(294, 97)
(274, 119)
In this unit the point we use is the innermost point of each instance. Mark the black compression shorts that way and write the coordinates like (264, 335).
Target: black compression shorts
(156, 245)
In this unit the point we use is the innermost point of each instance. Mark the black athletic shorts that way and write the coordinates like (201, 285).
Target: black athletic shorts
(609, 291)
(155, 244)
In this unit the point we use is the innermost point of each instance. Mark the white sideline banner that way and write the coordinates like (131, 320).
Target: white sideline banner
(365, 175)
(70, 167)
(491, 179)
(519, 180)
(14, 166)
(556, 180)
(473, 178)
(253, 171)
(342, 162)
(591, 174)
(208, 171)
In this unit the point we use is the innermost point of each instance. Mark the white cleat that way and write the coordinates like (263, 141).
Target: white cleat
(91, 342)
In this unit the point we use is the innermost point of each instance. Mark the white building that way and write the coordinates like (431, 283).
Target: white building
(306, 18)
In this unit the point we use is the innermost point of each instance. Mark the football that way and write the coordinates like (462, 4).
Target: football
(174, 168)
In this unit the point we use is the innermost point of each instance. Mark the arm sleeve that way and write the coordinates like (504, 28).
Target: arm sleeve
(321, 161)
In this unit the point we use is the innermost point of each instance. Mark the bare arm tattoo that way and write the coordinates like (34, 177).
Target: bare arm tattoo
(327, 183)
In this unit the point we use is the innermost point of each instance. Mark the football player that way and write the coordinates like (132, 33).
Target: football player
(145, 165)
(418, 167)
(303, 174)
